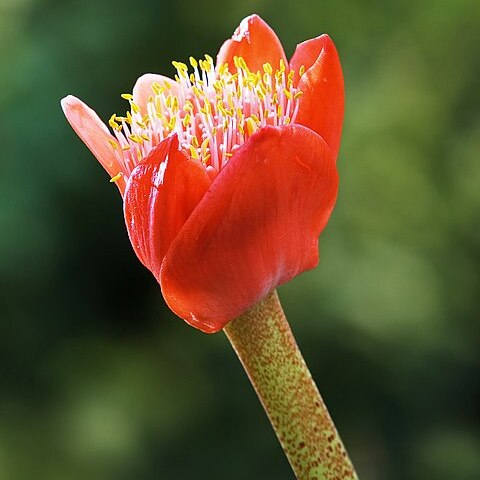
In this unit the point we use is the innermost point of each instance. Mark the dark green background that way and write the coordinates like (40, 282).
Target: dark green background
(99, 381)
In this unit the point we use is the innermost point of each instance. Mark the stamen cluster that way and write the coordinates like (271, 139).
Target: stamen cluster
(212, 110)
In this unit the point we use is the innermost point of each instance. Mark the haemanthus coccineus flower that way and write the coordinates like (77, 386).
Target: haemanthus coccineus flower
(227, 173)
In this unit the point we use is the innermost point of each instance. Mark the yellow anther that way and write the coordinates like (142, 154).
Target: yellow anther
(195, 141)
(282, 66)
(223, 69)
(127, 96)
(251, 125)
(175, 105)
(136, 139)
(287, 93)
(145, 137)
(302, 70)
(126, 147)
(198, 93)
(207, 107)
(267, 68)
(113, 124)
(128, 119)
(240, 129)
(193, 62)
(157, 88)
(221, 108)
(257, 120)
(243, 64)
(286, 120)
(159, 102)
(298, 94)
(113, 143)
(205, 144)
(117, 177)
(229, 155)
(186, 120)
(181, 67)
(279, 111)
(193, 152)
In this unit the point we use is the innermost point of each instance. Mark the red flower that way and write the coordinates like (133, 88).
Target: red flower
(228, 173)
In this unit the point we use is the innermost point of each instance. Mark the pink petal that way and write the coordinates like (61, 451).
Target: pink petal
(95, 135)
(142, 90)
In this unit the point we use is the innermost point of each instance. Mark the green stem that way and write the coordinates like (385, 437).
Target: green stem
(270, 355)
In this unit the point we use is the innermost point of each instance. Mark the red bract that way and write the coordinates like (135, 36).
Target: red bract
(228, 173)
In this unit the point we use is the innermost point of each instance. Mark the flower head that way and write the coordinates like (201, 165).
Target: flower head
(227, 171)
(212, 111)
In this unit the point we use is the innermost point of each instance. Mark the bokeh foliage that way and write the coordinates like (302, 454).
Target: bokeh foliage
(98, 380)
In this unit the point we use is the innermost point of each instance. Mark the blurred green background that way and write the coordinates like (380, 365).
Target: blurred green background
(98, 380)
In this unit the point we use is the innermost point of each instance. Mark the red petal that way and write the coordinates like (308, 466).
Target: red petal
(161, 194)
(322, 103)
(256, 42)
(94, 134)
(256, 228)
(142, 90)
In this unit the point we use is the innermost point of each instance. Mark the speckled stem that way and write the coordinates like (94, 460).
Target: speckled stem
(270, 355)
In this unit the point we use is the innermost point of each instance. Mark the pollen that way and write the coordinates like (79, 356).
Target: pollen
(116, 178)
(213, 110)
